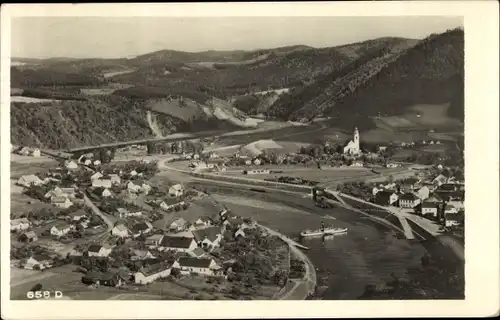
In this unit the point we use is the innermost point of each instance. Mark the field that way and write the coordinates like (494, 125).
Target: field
(21, 165)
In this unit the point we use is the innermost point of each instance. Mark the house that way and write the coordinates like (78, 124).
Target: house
(106, 193)
(439, 180)
(41, 260)
(120, 231)
(110, 279)
(60, 229)
(153, 241)
(19, 224)
(448, 187)
(29, 236)
(429, 209)
(183, 234)
(453, 219)
(124, 213)
(434, 198)
(449, 208)
(142, 255)
(376, 190)
(239, 233)
(96, 176)
(178, 225)
(152, 272)
(405, 188)
(203, 222)
(423, 193)
(29, 180)
(203, 266)
(234, 222)
(198, 253)
(97, 162)
(102, 183)
(386, 198)
(381, 148)
(146, 188)
(61, 202)
(71, 164)
(178, 244)
(391, 165)
(88, 162)
(140, 228)
(408, 200)
(208, 238)
(257, 162)
(97, 250)
(133, 173)
(132, 187)
(171, 203)
(69, 192)
(115, 179)
(35, 152)
(356, 164)
(176, 190)
(352, 146)
(77, 216)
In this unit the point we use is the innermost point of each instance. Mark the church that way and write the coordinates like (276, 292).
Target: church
(352, 147)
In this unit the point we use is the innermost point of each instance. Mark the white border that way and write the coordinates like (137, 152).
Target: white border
(481, 141)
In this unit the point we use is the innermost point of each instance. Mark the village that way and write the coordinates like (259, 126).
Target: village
(124, 229)
(119, 230)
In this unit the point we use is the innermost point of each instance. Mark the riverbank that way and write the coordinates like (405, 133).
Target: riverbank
(304, 287)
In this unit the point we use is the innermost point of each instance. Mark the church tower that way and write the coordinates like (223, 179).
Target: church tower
(356, 139)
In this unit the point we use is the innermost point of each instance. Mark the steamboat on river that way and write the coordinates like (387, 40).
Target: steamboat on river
(323, 231)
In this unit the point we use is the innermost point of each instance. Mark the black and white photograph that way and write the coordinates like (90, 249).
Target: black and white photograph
(229, 158)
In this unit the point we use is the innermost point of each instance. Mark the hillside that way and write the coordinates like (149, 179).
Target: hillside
(389, 82)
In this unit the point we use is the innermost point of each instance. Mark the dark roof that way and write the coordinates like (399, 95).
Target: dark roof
(194, 262)
(408, 196)
(209, 233)
(176, 242)
(154, 268)
(454, 216)
(383, 195)
(171, 201)
(429, 205)
(198, 252)
(448, 187)
(141, 226)
(94, 248)
(41, 257)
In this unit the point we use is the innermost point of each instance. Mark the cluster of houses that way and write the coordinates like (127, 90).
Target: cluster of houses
(27, 151)
(439, 198)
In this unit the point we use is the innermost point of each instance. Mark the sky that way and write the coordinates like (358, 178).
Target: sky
(124, 37)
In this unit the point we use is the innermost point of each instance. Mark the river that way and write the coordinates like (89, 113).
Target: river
(368, 254)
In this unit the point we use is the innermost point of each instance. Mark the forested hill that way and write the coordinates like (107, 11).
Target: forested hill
(386, 82)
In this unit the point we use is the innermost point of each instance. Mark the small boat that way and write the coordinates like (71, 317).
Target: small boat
(322, 232)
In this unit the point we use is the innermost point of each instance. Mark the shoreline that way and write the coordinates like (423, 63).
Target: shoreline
(309, 280)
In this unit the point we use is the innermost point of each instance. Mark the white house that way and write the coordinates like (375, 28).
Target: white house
(106, 193)
(429, 209)
(124, 213)
(29, 180)
(103, 183)
(142, 254)
(408, 200)
(423, 193)
(60, 229)
(357, 164)
(151, 273)
(239, 233)
(133, 187)
(115, 179)
(257, 171)
(133, 173)
(19, 224)
(257, 162)
(146, 188)
(40, 260)
(178, 244)
(61, 202)
(208, 238)
(71, 164)
(153, 241)
(120, 231)
(202, 266)
(449, 208)
(87, 162)
(452, 219)
(35, 152)
(375, 190)
(176, 190)
(391, 165)
(97, 250)
(96, 175)
(170, 203)
(97, 162)
(178, 225)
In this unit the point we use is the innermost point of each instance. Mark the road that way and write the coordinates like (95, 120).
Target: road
(103, 216)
